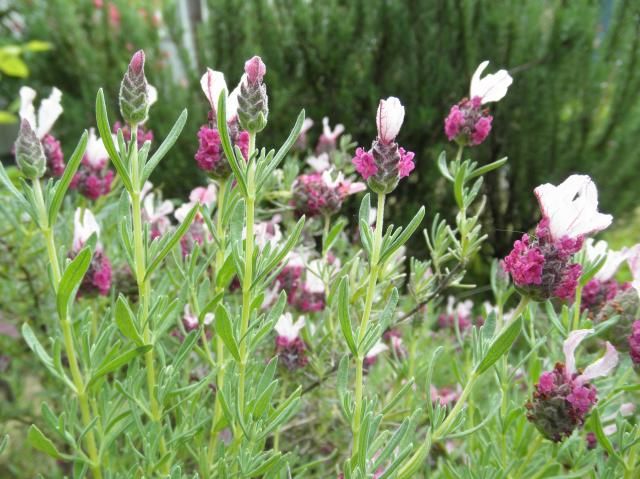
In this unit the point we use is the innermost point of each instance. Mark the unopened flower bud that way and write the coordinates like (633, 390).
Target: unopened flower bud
(253, 103)
(29, 153)
(134, 92)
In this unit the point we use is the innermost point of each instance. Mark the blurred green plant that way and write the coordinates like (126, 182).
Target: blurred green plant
(573, 105)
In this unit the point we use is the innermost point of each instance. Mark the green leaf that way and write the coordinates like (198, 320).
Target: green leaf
(483, 170)
(500, 346)
(442, 166)
(63, 184)
(602, 437)
(404, 236)
(225, 331)
(4, 442)
(126, 322)
(104, 128)
(8, 184)
(118, 362)
(166, 145)
(332, 236)
(226, 143)
(343, 315)
(175, 238)
(13, 66)
(42, 443)
(71, 279)
(37, 46)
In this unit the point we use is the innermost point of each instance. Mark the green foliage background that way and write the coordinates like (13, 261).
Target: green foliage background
(573, 106)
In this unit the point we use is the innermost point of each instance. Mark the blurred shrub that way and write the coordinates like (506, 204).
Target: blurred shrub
(573, 106)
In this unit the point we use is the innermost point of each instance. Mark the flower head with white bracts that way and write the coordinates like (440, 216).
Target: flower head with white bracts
(319, 163)
(266, 232)
(564, 396)
(190, 321)
(49, 111)
(155, 213)
(572, 207)
(468, 122)
(493, 87)
(201, 195)
(287, 329)
(84, 225)
(372, 355)
(386, 162)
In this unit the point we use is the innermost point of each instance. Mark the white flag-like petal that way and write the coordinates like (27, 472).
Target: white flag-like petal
(27, 110)
(569, 348)
(84, 225)
(598, 249)
(287, 328)
(572, 207)
(152, 94)
(602, 366)
(492, 87)
(204, 196)
(213, 83)
(330, 134)
(232, 100)
(49, 111)
(389, 119)
(313, 282)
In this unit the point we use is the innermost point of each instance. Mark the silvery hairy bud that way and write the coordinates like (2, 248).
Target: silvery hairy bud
(253, 103)
(29, 153)
(134, 92)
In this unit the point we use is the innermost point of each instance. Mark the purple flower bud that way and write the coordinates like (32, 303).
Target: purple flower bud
(624, 305)
(97, 280)
(318, 193)
(29, 152)
(134, 96)
(53, 154)
(255, 70)
(253, 102)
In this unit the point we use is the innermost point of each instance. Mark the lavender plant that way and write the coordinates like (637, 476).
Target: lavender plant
(258, 333)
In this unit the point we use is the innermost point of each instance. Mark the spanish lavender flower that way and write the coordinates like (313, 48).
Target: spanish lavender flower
(602, 287)
(253, 102)
(322, 194)
(445, 396)
(625, 306)
(29, 153)
(49, 111)
(198, 231)
(563, 397)
(210, 156)
(386, 163)
(394, 338)
(319, 163)
(302, 283)
(468, 123)
(97, 279)
(634, 343)
(93, 178)
(328, 140)
(541, 265)
(267, 232)
(290, 348)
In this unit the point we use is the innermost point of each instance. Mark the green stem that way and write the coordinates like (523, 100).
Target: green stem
(67, 334)
(248, 274)
(143, 292)
(283, 396)
(576, 306)
(533, 448)
(219, 262)
(373, 277)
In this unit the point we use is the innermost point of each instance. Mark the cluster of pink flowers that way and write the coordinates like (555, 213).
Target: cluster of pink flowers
(322, 194)
(290, 348)
(394, 339)
(468, 123)
(563, 397)
(190, 321)
(541, 266)
(93, 178)
(445, 396)
(97, 280)
(210, 156)
(48, 112)
(386, 162)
